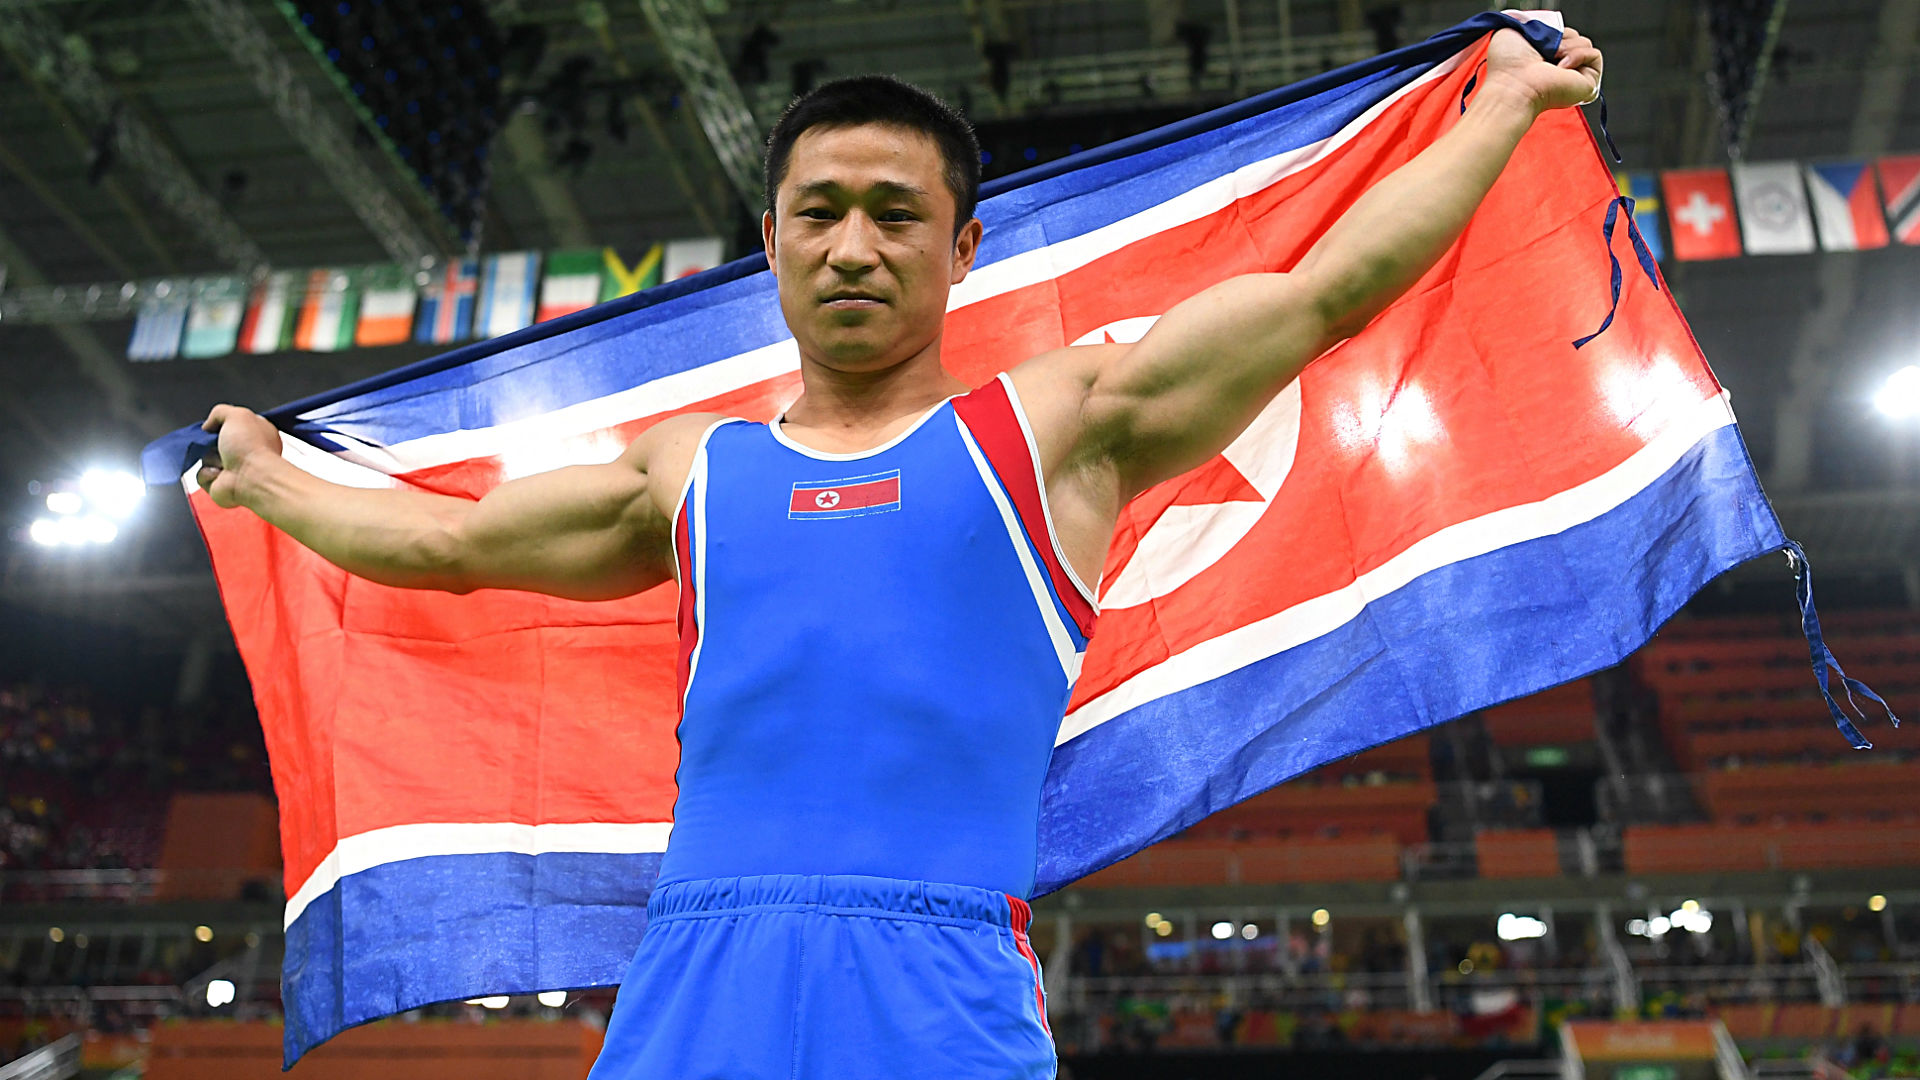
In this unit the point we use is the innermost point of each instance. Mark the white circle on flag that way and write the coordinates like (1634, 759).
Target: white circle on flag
(1185, 540)
(827, 500)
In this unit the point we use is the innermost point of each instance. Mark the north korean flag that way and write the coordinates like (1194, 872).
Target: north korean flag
(1700, 214)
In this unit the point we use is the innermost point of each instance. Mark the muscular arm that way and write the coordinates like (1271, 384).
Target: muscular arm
(1207, 367)
(586, 532)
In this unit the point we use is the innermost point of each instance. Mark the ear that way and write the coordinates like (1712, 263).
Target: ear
(766, 239)
(965, 247)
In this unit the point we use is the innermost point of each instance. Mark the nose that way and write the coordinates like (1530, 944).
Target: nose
(853, 248)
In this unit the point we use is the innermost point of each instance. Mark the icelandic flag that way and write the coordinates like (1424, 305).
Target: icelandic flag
(1846, 206)
(1453, 508)
(446, 304)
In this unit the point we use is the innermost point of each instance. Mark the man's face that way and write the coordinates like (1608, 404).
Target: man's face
(861, 240)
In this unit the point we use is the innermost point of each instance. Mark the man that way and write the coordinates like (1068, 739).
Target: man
(883, 592)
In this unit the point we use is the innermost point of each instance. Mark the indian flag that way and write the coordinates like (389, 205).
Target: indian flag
(213, 320)
(326, 320)
(386, 307)
(573, 283)
(269, 322)
(623, 281)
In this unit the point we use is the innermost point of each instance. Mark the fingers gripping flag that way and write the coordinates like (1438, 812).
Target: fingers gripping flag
(1453, 508)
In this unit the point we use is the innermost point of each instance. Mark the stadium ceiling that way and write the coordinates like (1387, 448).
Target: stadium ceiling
(152, 138)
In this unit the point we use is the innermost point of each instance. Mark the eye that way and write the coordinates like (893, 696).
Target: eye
(817, 213)
(897, 216)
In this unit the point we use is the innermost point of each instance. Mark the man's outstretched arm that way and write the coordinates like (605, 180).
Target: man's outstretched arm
(1206, 368)
(586, 532)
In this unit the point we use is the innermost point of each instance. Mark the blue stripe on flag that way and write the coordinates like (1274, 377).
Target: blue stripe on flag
(407, 934)
(1463, 637)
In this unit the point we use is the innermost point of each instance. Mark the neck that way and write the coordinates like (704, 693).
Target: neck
(853, 404)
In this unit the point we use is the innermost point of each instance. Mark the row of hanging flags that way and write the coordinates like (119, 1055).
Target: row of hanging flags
(329, 309)
(1778, 207)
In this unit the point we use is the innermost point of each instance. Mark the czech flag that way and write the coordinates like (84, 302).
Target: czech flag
(1846, 206)
(1456, 507)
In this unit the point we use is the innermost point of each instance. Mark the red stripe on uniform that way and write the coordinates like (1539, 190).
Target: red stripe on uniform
(688, 626)
(988, 413)
(1021, 917)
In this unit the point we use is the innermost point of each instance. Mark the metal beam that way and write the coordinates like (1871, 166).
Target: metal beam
(325, 139)
(62, 62)
(684, 36)
(1809, 367)
(105, 370)
(596, 19)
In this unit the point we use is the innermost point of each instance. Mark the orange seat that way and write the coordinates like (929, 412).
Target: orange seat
(1518, 853)
(1747, 1020)
(1803, 1020)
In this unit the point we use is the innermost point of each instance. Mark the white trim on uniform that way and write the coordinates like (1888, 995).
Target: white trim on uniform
(781, 437)
(1063, 646)
(1040, 479)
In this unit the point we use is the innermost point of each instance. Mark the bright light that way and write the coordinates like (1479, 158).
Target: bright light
(219, 992)
(1899, 397)
(56, 935)
(1249, 931)
(1466, 967)
(114, 492)
(1513, 927)
(203, 933)
(1696, 921)
(65, 502)
(72, 531)
(1154, 919)
(498, 1001)
(1658, 926)
(1637, 927)
(1321, 917)
(552, 999)
(1876, 902)
(1689, 906)
(1222, 931)
(1163, 929)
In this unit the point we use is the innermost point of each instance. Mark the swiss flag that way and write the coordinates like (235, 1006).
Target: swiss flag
(1700, 214)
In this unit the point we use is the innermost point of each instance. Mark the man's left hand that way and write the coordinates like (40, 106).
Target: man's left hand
(1572, 77)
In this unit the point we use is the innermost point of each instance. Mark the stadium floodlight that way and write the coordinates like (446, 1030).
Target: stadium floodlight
(1513, 927)
(1658, 926)
(1222, 931)
(1321, 917)
(219, 992)
(65, 502)
(1249, 931)
(113, 492)
(1876, 902)
(498, 1001)
(1899, 396)
(1697, 921)
(552, 999)
(72, 531)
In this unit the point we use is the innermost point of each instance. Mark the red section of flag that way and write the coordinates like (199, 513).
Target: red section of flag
(1900, 186)
(855, 494)
(1700, 217)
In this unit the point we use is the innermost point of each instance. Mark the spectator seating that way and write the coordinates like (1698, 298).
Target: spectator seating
(1718, 847)
(1517, 853)
(1373, 857)
(1561, 715)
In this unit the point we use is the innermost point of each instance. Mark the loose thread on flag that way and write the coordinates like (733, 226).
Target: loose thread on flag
(1823, 657)
(1601, 98)
(1467, 90)
(1640, 251)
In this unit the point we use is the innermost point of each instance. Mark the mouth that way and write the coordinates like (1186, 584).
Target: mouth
(851, 301)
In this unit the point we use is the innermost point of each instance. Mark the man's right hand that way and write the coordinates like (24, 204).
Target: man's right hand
(244, 436)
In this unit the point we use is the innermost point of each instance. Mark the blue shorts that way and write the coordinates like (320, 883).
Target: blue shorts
(830, 978)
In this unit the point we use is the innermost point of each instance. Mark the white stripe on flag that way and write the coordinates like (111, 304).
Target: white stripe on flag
(1323, 614)
(398, 843)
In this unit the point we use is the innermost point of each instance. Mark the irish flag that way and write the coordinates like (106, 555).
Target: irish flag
(386, 307)
(326, 319)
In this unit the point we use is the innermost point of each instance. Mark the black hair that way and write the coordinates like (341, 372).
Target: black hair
(882, 99)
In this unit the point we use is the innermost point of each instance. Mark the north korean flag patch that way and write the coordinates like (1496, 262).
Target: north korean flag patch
(853, 496)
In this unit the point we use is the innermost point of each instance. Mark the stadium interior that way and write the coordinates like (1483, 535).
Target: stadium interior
(1524, 891)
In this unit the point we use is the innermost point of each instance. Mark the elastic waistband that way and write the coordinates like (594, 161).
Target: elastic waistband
(847, 893)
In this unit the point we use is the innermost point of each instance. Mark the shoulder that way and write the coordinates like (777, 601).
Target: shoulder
(664, 453)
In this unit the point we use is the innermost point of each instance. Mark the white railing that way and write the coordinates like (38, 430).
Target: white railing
(56, 1061)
